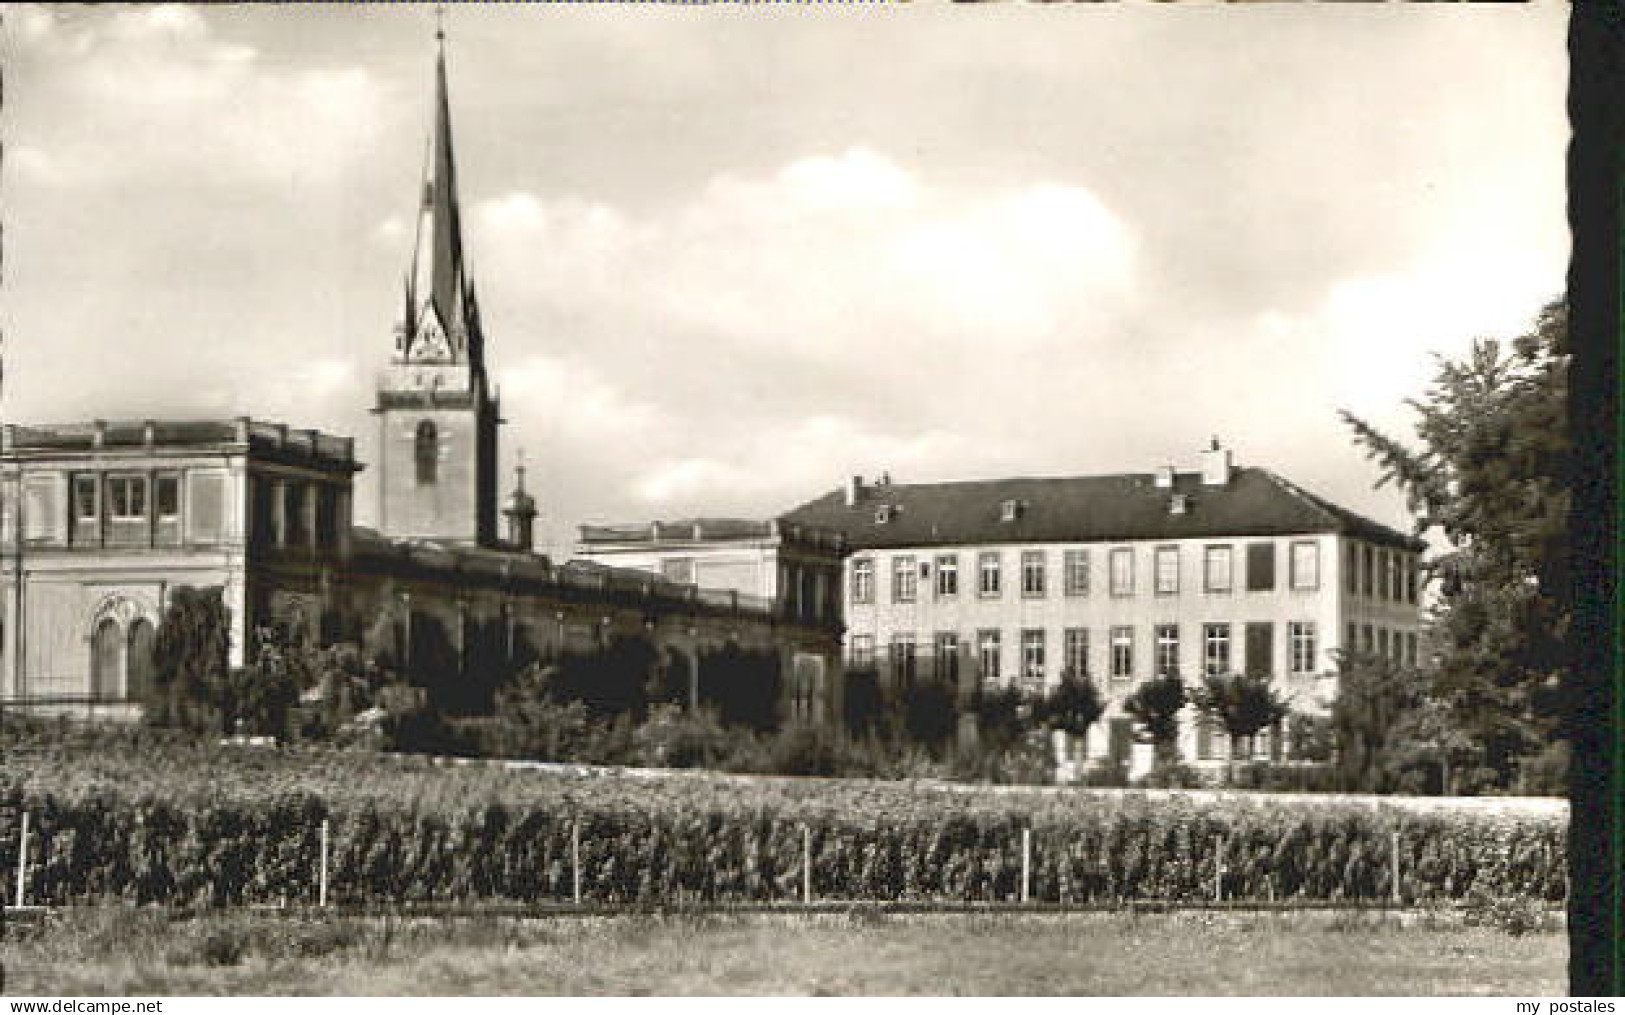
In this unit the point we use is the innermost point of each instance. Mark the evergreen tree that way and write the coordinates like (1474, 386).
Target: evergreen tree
(1491, 474)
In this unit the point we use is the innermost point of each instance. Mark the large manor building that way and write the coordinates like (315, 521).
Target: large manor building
(101, 521)
(1116, 579)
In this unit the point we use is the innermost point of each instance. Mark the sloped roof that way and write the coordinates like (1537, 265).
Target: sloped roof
(1084, 509)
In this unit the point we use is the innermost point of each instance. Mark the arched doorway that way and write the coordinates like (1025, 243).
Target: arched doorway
(138, 662)
(107, 660)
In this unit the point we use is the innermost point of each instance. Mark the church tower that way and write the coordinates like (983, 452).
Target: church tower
(437, 419)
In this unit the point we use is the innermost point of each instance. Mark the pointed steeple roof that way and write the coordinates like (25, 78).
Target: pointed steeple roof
(438, 293)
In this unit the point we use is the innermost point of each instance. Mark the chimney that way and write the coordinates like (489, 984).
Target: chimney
(854, 491)
(1165, 477)
(1216, 465)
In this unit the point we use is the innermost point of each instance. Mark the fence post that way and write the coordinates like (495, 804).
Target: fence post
(806, 864)
(1218, 871)
(321, 881)
(1395, 890)
(22, 862)
(575, 860)
(1026, 863)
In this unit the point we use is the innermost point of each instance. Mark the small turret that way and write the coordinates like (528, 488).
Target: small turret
(521, 513)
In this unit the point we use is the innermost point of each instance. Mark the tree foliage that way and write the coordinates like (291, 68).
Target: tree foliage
(1072, 706)
(190, 661)
(1491, 473)
(1155, 705)
(1243, 704)
(1392, 735)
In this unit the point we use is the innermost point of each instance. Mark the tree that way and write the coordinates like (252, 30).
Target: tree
(1155, 704)
(1072, 706)
(1003, 716)
(1245, 705)
(190, 656)
(1492, 475)
(259, 698)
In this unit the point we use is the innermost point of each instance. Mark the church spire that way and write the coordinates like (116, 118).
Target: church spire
(441, 318)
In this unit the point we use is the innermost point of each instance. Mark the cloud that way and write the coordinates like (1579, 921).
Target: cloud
(148, 91)
(770, 331)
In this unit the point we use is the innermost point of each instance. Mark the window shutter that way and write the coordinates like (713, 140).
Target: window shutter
(44, 514)
(1260, 649)
(1260, 567)
(205, 507)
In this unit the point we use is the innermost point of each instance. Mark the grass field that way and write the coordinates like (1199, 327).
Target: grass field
(124, 952)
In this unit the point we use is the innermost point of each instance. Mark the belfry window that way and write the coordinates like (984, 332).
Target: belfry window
(426, 452)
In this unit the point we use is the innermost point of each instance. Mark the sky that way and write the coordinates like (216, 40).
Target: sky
(728, 256)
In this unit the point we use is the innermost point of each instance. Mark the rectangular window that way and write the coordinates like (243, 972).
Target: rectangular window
(945, 656)
(1351, 568)
(1077, 572)
(1301, 634)
(1167, 570)
(987, 655)
(1410, 649)
(1216, 649)
(1216, 569)
(1368, 640)
(987, 569)
(167, 495)
(1032, 573)
(904, 579)
(1167, 650)
(1395, 590)
(1122, 653)
(1351, 643)
(1368, 572)
(1122, 571)
(85, 498)
(1077, 653)
(1032, 657)
(1260, 567)
(947, 575)
(1382, 642)
(679, 570)
(863, 580)
(1305, 566)
(863, 650)
(1260, 661)
(902, 657)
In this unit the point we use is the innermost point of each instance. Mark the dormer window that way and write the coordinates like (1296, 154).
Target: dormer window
(1009, 509)
(885, 513)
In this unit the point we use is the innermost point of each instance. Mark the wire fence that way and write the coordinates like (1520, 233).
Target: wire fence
(1228, 885)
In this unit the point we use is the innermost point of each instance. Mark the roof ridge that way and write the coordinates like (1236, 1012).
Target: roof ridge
(1294, 490)
(1338, 514)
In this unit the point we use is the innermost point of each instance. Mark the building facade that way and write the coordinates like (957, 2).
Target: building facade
(101, 521)
(795, 567)
(1116, 579)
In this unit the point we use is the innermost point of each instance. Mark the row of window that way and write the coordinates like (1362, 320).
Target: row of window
(125, 497)
(1377, 573)
(1218, 572)
(1216, 649)
(1396, 646)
